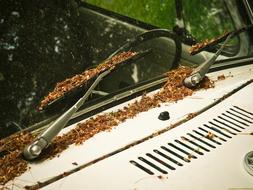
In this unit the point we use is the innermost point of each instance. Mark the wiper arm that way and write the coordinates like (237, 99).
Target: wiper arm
(43, 140)
(207, 44)
(33, 150)
(199, 73)
(153, 34)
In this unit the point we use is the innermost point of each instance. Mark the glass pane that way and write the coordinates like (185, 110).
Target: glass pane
(203, 19)
(156, 12)
(207, 19)
(40, 45)
(44, 43)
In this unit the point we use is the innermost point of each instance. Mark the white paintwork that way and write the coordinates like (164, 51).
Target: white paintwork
(219, 169)
(133, 129)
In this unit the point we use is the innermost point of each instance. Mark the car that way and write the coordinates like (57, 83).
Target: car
(164, 120)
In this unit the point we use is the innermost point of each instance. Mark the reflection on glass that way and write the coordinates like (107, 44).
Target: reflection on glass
(203, 19)
(44, 43)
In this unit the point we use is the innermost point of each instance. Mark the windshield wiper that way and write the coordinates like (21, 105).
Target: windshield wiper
(150, 35)
(43, 140)
(199, 73)
(210, 44)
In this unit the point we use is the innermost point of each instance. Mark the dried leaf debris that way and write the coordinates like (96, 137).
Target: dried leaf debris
(79, 80)
(12, 164)
(196, 48)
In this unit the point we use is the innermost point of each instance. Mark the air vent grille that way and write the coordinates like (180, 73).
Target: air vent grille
(203, 139)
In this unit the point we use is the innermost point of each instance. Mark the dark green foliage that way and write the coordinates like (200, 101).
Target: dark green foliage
(204, 19)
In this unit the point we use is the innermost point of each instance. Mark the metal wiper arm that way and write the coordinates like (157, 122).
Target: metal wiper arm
(205, 46)
(33, 150)
(43, 140)
(199, 73)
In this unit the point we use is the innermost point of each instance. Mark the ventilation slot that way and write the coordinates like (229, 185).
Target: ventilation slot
(217, 130)
(209, 134)
(168, 157)
(239, 117)
(189, 147)
(202, 139)
(141, 167)
(206, 137)
(243, 110)
(226, 115)
(194, 143)
(175, 154)
(222, 123)
(160, 161)
(230, 122)
(224, 129)
(153, 165)
(242, 114)
(183, 151)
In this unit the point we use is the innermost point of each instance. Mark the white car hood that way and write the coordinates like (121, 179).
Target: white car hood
(103, 161)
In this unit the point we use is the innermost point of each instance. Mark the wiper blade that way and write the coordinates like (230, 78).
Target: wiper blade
(150, 35)
(43, 140)
(207, 44)
(78, 84)
(199, 73)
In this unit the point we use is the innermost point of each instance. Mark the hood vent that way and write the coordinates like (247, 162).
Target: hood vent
(196, 143)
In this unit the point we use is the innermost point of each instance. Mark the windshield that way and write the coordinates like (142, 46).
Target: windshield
(203, 19)
(43, 43)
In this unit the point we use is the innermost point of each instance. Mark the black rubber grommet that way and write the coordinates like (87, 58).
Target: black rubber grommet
(164, 116)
